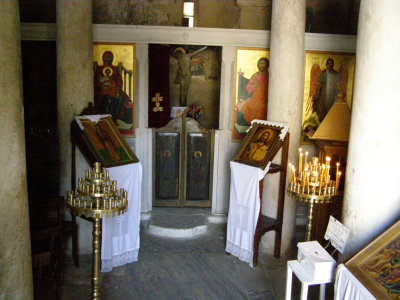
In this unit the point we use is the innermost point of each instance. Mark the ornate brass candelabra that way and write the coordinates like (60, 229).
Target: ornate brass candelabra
(312, 184)
(96, 197)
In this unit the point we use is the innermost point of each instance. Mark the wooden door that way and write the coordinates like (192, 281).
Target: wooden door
(182, 164)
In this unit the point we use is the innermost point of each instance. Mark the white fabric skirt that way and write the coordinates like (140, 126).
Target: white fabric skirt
(244, 208)
(120, 234)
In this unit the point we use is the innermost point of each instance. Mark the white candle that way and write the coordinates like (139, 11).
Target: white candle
(337, 175)
(338, 180)
(300, 158)
(301, 163)
(294, 174)
(328, 165)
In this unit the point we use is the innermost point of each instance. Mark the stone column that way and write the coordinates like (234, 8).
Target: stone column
(15, 250)
(285, 97)
(372, 194)
(74, 73)
(74, 90)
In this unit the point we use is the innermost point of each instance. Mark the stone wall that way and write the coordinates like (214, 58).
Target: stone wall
(217, 14)
(138, 12)
(255, 14)
(323, 16)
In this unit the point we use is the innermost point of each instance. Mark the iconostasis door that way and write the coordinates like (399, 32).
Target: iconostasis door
(182, 164)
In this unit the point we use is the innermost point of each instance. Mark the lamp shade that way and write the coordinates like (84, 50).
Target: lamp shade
(336, 124)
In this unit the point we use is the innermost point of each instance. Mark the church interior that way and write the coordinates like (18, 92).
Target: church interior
(190, 93)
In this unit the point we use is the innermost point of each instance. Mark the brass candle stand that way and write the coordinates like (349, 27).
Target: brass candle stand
(311, 200)
(312, 184)
(96, 197)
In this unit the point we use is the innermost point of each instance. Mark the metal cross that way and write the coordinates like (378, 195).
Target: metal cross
(157, 99)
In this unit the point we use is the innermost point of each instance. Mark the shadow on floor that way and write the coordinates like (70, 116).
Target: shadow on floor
(187, 269)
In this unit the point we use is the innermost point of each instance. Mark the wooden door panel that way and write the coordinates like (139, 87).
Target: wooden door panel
(167, 166)
(198, 166)
(182, 166)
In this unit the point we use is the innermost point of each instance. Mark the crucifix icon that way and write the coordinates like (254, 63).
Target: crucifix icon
(157, 99)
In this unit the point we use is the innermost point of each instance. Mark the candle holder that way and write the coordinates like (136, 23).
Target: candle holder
(312, 184)
(96, 197)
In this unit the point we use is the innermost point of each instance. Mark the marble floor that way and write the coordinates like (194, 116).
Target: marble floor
(186, 268)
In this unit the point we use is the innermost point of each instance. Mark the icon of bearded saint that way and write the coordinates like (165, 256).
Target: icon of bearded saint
(325, 87)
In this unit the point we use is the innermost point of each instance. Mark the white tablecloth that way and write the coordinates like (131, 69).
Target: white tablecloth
(120, 234)
(347, 286)
(244, 208)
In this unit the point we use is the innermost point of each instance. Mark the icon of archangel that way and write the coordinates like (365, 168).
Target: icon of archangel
(328, 82)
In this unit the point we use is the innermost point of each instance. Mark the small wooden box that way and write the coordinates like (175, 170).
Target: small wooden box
(316, 261)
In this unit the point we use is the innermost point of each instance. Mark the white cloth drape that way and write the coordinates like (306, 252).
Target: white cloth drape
(244, 208)
(348, 287)
(92, 118)
(120, 234)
